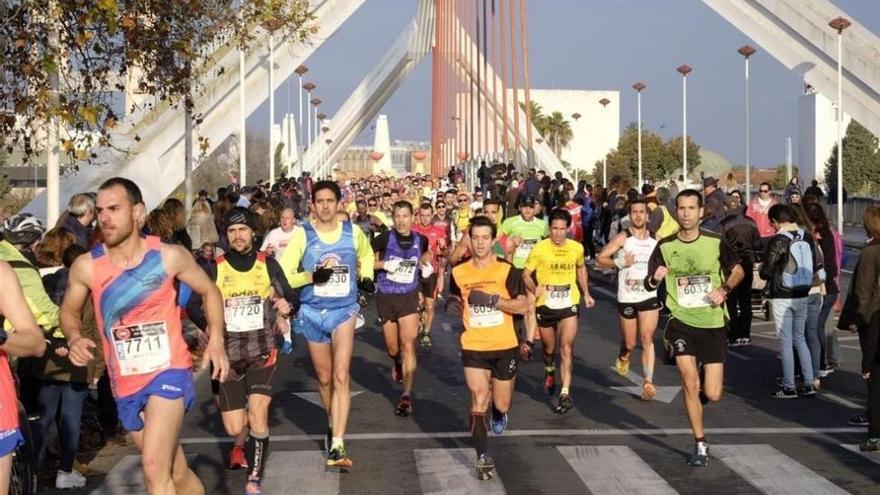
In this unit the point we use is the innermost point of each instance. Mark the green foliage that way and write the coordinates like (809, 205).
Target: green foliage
(780, 180)
(659, 160)
(861, 162)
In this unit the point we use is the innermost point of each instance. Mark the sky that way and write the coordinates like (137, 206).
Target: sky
(597, 45)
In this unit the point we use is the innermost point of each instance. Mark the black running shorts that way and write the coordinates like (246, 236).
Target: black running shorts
(708, 345)
(502, 364)
(243, 382)
(630, 311)
(549, 318)
(392, 307)
(429, 286)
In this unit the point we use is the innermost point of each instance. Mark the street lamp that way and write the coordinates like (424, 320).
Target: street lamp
(684, 70)
(309, 87)
(747, 51)
(302, 69)
(839, 24)
(604, 102)
(639, 86)
(315, 102)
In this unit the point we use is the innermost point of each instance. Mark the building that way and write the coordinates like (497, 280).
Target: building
(817, 133)
(406, 157)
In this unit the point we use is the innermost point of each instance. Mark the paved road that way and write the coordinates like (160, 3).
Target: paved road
(610, 443)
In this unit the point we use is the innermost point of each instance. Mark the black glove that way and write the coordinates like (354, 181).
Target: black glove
(321, 275)
(526, 351)
(367, 285)
(480, 298)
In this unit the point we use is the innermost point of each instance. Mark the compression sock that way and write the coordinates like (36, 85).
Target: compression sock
(649, 374)
(256, 452)
(563, 391)
(478, 433)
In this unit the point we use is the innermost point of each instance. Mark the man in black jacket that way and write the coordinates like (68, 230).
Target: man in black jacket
(741, 233)
(791, 265)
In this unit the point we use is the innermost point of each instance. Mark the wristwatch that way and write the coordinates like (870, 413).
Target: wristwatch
(3, 336)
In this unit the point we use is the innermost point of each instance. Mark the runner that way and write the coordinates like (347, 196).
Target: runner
(22, 337)
(274, 245)
(249, 281)
(639, 309)
(132, 284)
(558, 264)
(325, 257)
(491, 292)
(432, 286)
(700, 269)
(400, 253)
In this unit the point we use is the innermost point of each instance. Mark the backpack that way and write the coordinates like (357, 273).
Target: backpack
(669, 225)
(797, 274)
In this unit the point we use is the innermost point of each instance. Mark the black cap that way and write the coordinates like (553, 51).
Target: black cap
(239, 215)
(709, 181)
(247, 190)
(528, 200)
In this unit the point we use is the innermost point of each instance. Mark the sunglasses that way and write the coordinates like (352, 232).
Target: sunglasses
(462, 200)
(764, 190)
(441, 206)
(372, 205)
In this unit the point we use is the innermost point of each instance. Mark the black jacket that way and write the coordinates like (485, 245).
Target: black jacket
(861, 311)
(742, 233)
(775, 259)
(80, 232)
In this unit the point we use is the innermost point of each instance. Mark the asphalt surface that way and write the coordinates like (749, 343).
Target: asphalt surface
(611, 442)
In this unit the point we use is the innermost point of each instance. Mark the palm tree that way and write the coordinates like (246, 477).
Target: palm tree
(539, 120)
(558, 131)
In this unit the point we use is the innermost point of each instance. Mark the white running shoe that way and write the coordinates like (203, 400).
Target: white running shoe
(73, 479)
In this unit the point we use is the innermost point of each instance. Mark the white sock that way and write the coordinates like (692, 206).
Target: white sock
(337, 442)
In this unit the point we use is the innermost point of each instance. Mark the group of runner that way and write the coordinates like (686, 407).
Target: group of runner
(516, 283)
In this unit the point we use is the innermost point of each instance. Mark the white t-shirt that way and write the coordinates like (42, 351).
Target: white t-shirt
(277, 238)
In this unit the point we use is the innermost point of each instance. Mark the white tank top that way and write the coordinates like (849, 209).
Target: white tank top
(631, 281)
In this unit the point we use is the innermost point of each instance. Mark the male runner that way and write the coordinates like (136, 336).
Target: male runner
(700, 269)
(558, 264)
(400, 253)
(491, 292)
(639, 309)
(433, 284)
(250, 281)
(132, 284)
(326, 257)
(23, 339)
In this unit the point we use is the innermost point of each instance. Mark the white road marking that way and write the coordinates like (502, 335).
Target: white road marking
(665, 394)
(315, 397)
(840, 400)
(447, 327)
(299, 471)
(451, 471)
(739, 355)
(771, 471)
(587, 432)
(604, 291)
(614, 469)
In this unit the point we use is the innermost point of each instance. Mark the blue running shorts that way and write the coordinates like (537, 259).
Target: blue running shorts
(170, 384)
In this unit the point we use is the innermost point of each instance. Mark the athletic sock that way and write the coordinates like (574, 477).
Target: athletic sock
(479, 433)
(496, 414)
(649, 375)
(256, 452)
(563, 391)
(336, 442)
(700, 439)
(548, 364)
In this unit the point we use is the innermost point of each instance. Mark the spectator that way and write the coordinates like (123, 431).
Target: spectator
(661, 222)
(177, 215)
(276, 240)
(714, 198)
(79, 217)
(532, 184)
(793, 187)
(484, 177)
(825, 236)
(160, 225)
(759, 209)
(201, 226)
(741, 233)
(245, 196)
(814, 190)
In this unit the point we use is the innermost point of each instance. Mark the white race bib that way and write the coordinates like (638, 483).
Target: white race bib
(485, 316)
(693, 291)
(558, 297)
(525, 248)
(243, 313)
(141, 348)
(405, 273)
(339, 284)
(635, 286)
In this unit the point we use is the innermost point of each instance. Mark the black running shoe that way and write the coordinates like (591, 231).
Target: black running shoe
(328, 439)
(484, 467)
(565, 404)
(700, 457)
(338, 458)
(870, 445)
(784, 393)
(860, 420)
(404, 406)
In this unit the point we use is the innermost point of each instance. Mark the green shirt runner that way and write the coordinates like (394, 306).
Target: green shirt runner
(531, 232)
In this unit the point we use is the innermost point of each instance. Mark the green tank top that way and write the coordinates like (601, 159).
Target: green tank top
(530, 232)
(44, 310)
(694, 272)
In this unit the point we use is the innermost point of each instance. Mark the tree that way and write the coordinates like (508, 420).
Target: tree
(657, 159)
(557, 132)
(780, 180)
(861, 162)
(64, 59)
(539, 120)
(674, 148)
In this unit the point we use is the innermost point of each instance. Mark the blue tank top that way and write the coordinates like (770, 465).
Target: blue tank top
(406, 278)
(341, 290)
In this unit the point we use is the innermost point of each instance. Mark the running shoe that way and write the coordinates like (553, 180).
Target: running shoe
(236, 458)
(328, 439)
(870, 445)
(700, 457)
(499, 422)
(744, 342)
(252, 488)
(784, 393)
(397, 371)
(66, 481)
(860, 420)
(338, 458)
(404, 406)
(808, 392)
(826, 370)
(622, 366)
(424, 338)
(649, 391)
(565, 404)
(550, 380)
(484, 467)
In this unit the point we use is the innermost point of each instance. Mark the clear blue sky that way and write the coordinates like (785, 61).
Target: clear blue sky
(598, 44)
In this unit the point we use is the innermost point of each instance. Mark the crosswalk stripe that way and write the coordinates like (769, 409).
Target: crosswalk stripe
(451, 471)
(871, 456)
(771, 471)
(614, 470)
(302, 471)
(127, 477)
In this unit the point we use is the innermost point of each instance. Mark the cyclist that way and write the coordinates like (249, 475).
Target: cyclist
(132, 284)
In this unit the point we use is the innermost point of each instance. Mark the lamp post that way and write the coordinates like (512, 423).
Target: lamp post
(272, 143)
(684, 70)
(302, 69)
(639, 86)
(315, 102)
(242, 121)
(576, 116)
(747, 51)
(309, 86)
(604, 102)
(839, 24)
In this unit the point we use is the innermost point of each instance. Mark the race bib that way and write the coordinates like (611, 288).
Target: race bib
(405, 273)
(558, 297)
(693, 291)
(525, 248)
(485, 316)
(339, 284)
(141, 348)
(243, 313)
(635, 286)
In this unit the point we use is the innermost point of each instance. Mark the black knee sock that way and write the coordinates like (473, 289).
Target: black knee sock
(256, 452)
(478, 433)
